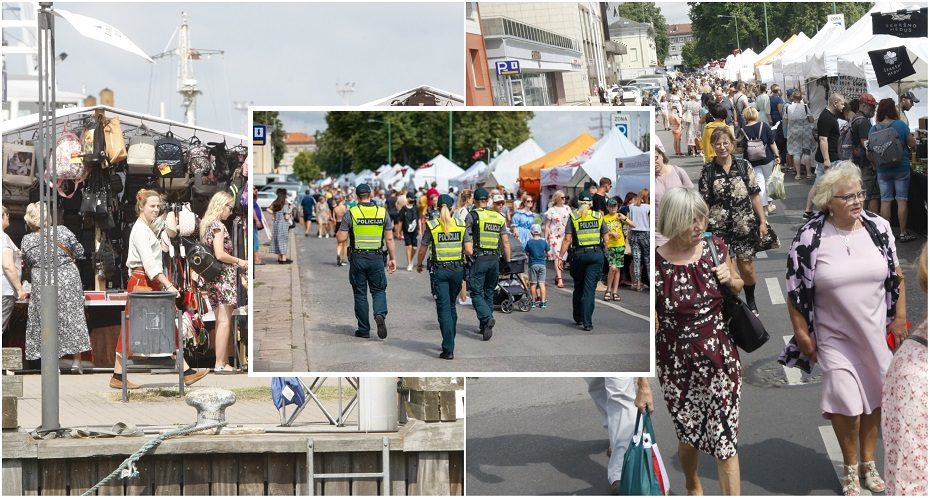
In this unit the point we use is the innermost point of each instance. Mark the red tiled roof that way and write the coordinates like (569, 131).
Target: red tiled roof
(299, 138)
(679, 29)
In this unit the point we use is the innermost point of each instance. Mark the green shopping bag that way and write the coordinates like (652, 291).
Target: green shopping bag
(638, 477)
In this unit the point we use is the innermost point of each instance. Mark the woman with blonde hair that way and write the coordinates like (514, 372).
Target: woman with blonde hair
(554, 230)
(72, 325)
(222, 291)
(445, 239)
(146, 273)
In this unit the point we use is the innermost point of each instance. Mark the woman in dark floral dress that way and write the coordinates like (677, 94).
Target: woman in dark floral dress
(736, 214)
(696, 362)
(222, 291)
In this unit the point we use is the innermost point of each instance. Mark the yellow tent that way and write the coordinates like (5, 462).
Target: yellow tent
(529, 172)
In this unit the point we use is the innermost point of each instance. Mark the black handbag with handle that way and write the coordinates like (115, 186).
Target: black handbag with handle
(745, 328)
(201, 260)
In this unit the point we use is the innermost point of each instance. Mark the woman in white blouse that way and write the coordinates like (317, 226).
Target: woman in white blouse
(146, 272)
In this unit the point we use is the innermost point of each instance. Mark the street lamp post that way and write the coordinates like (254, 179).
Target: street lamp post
(388, 123)
(736, 23)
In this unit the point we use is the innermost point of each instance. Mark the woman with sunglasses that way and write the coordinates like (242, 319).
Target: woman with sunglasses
(840, 317)
(523, 219)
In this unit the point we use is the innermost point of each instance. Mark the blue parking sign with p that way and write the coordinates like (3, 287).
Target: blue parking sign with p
(259, 134)
(624, 128)
(505, 68)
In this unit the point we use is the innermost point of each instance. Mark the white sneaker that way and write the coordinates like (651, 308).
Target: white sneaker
(409, 267)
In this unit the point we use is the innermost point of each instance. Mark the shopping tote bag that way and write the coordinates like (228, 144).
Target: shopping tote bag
(638, 477)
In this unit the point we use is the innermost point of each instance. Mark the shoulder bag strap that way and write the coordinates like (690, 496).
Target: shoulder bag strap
(63, 248)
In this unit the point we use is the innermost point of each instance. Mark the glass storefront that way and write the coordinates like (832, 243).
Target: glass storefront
(524, 89)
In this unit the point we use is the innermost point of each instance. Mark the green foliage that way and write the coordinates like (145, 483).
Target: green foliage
(715, 37)
(306, 168)
(649, 13)
(689, 55)
(357, 140)
(270, 118)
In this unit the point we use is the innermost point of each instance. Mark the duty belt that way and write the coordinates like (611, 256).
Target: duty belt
(449, 265)
(587, 249)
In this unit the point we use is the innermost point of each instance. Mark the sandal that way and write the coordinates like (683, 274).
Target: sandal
(616, 296)
(873, 481)
(607, 296)
(224, 370)
(906, 237)
(850, 480)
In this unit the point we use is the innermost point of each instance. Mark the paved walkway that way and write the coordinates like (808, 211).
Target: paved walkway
(86, 400)
(278, 339)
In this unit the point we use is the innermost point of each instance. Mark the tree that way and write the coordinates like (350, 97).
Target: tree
(715, 37)
(306, 168)
(270, 119)
(649, 13)
(689, 55)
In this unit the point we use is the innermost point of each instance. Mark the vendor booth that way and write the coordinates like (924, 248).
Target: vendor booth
(505, 168)
(96, 191)
(530, 172)
(438, 169)
(470, 178)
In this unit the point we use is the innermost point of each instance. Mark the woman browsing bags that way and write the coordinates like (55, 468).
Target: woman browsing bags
(697, 363)
(840, 317)
(144, 262)
(729, 188)
(445, 239)
(72, 325)
(222, 290)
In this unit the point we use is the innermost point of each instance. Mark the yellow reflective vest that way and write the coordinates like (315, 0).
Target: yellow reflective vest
(587, 229)
(367, 227)
(490, 225)
(447, 247)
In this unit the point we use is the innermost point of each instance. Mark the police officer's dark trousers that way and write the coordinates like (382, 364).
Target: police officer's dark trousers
(482, 279)
(364, 272)
(447, 282)
(585, 271)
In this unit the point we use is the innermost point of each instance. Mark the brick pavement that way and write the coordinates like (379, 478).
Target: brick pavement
(278, 338)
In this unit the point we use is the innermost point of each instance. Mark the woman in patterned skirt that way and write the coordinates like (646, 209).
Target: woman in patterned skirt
(280, 209)
(222, 291)
(696, 361)
(72, 325)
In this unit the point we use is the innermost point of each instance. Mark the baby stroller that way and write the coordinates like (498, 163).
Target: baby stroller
(511, 292)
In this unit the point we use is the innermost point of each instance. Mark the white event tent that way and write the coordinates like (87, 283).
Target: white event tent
(506, 167)
(439, 169)
(471, 176)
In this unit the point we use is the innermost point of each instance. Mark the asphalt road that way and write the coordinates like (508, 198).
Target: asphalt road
(534, 341)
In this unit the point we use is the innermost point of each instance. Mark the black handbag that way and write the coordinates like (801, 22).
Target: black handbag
(744, 326)
(201, 260)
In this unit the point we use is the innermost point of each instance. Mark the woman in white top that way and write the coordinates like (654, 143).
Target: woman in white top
(12, 268)
(144, 261)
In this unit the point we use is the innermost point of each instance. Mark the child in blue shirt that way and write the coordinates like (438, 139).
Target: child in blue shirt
(536, 249)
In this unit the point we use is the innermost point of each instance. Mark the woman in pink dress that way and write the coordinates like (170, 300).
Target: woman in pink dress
(904, 403)
(840, 316)
(554, 229)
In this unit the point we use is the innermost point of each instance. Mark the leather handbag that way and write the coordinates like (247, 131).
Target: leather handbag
(201, 260)
(744, 326)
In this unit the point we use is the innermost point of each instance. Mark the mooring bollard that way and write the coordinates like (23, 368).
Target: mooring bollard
(211, 404)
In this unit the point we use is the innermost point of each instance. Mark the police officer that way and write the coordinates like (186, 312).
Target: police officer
(445, 238)
(585, 233)
(484, 244)
(369, 230)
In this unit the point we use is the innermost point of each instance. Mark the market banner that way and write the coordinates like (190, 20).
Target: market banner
(101, 31)
(891, 64)
(903, 23)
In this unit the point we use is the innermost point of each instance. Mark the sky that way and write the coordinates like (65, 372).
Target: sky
(550, 128)
(275, 54)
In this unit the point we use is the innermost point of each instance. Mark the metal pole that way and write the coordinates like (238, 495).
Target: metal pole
(48, 288)
(736, 23)
(765, 15)
(389, 141)
(450, 140)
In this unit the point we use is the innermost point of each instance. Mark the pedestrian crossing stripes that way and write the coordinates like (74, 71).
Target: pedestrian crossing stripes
(762, 255)
(832, 446)
(775, 293)
(616, 307)
(792, 374)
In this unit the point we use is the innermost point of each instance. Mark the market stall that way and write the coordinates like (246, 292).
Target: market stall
(438, 169)
(96, 187)
(505, 168)
(530, 172)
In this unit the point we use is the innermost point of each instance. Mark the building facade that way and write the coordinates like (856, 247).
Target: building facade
(639, 38)
(559, 48)
(678, 36)
(478, 86)
(294, 144)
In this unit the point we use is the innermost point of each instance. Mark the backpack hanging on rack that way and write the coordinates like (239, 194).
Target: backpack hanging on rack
(222, 167)
(199, 159)
(69, 161)
(115, 143)
(95, 143)
(169, 157)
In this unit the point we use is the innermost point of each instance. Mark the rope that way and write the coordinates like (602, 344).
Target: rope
(128, 470)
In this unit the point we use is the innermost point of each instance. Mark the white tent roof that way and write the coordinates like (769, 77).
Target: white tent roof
(798, 47)
(471, 176)
(612, 152)
(443, 97)
(857, 63)
(777, 42)
(824, 63)
(129, 121)
(439, 169)
(506, 167)
(795, 64)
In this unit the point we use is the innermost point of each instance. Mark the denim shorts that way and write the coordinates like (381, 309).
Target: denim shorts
(537, 274)
(894, 186)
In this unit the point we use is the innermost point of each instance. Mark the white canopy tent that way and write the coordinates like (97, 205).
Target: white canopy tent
(798, 47)
(506, 167)
(795, 64)
(398, 177)
(471, 176)
(438, 169)
(825, 63)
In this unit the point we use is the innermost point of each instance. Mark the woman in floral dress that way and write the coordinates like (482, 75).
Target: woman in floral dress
(222, 291)
(554, 229)
(728, 185)
(72, 325)
(697, 363)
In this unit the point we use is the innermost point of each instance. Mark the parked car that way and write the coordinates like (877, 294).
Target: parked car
(264, 198)
(632, 95)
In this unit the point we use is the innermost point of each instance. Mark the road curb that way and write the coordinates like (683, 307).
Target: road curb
(300, 362)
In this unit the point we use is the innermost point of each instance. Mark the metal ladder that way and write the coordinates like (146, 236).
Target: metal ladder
(384, 475)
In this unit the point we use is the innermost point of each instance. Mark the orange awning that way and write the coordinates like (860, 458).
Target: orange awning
(529, 172)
